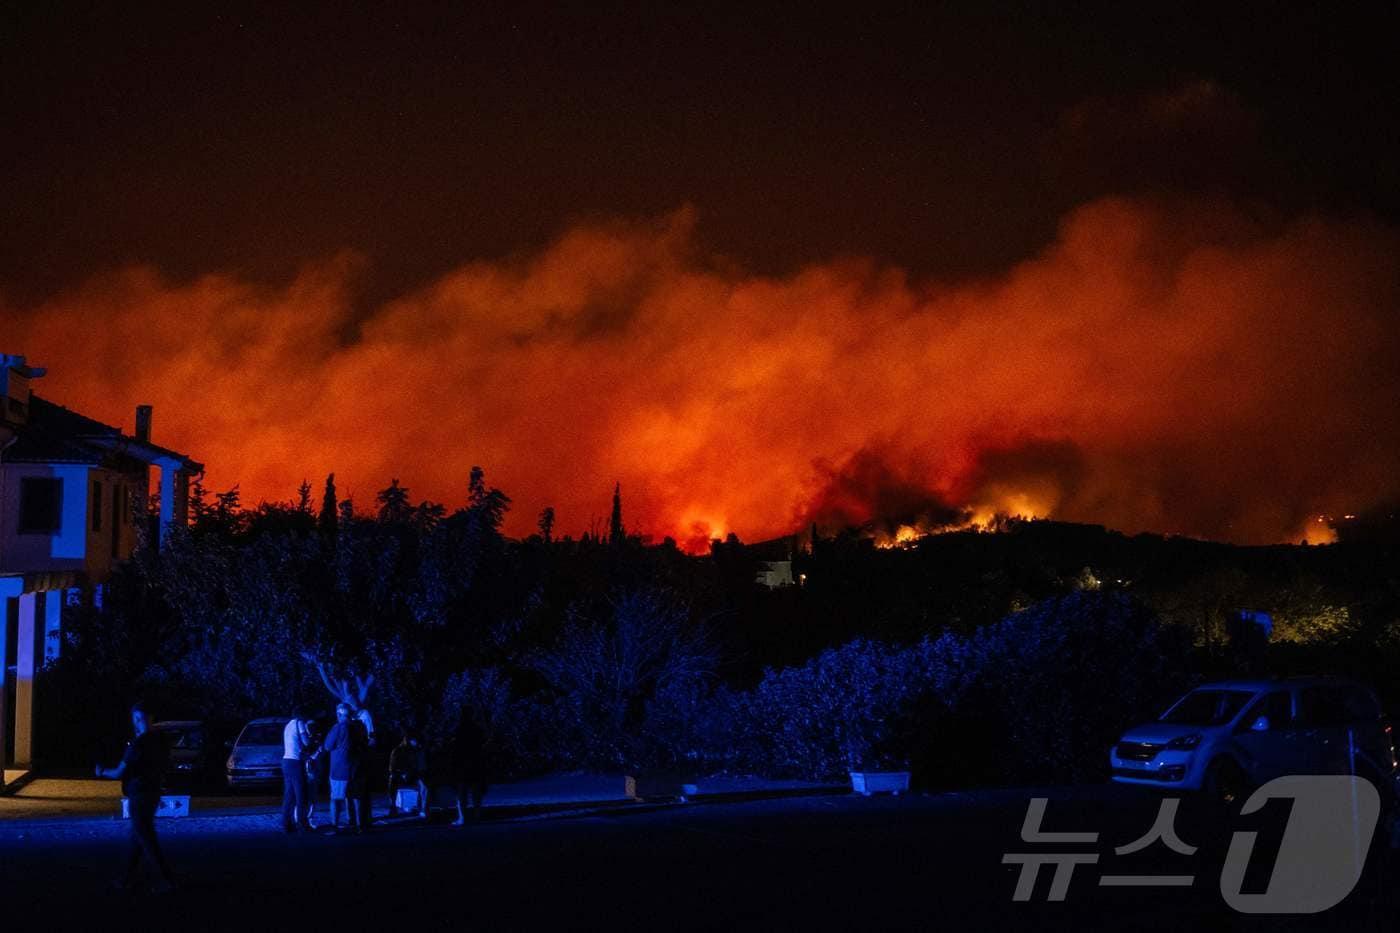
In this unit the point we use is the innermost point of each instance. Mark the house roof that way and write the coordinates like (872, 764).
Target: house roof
(775, 549)
(54, 434)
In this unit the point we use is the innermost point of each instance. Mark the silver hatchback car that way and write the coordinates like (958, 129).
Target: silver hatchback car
(255, 758)
(1224, 738)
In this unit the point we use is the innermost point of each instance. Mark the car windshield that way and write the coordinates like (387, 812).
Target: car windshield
(1207, 707)
(262, 733)
(184, 738)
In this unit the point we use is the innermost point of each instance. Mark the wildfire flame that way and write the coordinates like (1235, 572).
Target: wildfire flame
(1157, 367)
(990, 516)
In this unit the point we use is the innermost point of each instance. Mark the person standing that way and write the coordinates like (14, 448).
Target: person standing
(315, 771)
(296, 746)
(408, 767)
(140, 772)
(343, 745)
(469, 766)
(363, 727)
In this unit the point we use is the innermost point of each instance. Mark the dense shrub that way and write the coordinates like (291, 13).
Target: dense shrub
(589, 654)
(1036, 697)
(612, 683)
(834, 713)
(1063, 677)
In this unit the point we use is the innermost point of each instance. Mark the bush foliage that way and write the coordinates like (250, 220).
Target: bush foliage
(973, 658)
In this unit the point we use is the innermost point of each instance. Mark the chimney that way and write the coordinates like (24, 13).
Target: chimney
(143, 423)
(15, 375)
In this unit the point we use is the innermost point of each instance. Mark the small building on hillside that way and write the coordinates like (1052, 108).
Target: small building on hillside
(72, 492)
(774, 561)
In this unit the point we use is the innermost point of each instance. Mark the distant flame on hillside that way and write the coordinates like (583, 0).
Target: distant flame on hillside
(990, 516)
(1169, 367)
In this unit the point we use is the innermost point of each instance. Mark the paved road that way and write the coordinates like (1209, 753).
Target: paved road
(836, 862)
(48, 798)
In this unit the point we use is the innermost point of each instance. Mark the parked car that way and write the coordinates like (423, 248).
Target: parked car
(255, 758)
(1226, 738)
(190, 760)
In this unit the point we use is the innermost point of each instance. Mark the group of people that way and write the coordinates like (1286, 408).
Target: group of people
(343, 752)
(342, 756)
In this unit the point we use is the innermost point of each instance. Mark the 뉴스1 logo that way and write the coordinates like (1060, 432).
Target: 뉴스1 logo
(1319, 861)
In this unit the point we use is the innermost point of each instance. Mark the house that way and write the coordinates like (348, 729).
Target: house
(774, 561)
(72, 491)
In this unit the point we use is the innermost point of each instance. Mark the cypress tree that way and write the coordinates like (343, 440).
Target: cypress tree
(616, 533)
(328, 521)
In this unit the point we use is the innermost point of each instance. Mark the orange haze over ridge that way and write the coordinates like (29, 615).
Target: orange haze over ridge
(1175, 368)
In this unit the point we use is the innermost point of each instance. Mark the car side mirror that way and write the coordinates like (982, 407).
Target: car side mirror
(1260, 725)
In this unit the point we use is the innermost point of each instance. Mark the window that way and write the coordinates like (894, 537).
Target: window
(262, 733)
(96, 505)
(40, 505)
(1277, 706)
(188, 738)
(116, 521)
(1207, 707)
(1360, 706)
(1322, 706)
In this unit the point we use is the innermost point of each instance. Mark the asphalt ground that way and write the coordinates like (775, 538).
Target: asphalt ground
(843, 862)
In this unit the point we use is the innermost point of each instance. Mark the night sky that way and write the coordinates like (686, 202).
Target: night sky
(765, 267)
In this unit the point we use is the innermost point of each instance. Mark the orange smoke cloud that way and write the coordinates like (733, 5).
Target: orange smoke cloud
(1170, 368)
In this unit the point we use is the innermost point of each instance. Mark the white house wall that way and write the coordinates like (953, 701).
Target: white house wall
(28, 661)
(32, 553)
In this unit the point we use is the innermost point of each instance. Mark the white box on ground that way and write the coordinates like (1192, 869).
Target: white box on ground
(879, 782)
(172, 805)
(406, 798)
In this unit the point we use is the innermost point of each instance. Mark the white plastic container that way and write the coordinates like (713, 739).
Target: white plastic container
(879, 782)
(170, 806)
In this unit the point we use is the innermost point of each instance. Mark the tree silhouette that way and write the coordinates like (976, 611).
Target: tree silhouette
(427, 514)
(304, 497)
(394, 507)
(327, 522)
(616, 533)
(547, 524)
(199, 501)
(486, 506)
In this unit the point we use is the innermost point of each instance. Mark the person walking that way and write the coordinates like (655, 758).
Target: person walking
(343, 745)
(408, 767)
(296, 747)
(140, 772)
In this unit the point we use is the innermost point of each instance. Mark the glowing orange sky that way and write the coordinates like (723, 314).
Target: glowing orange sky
(1174, 368)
